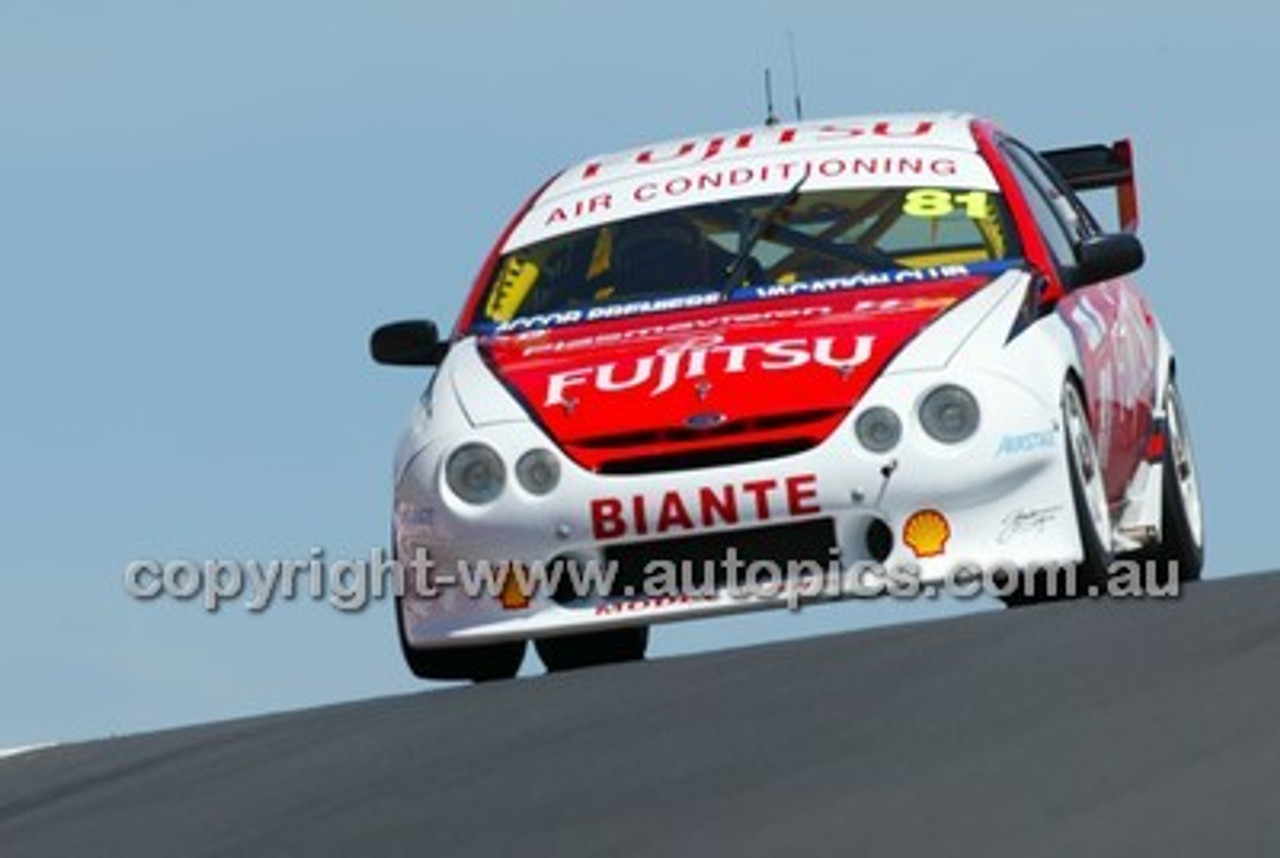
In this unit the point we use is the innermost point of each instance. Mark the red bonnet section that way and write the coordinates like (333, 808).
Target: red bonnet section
(731, 382)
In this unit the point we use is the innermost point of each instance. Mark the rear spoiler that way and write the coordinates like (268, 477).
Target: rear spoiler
(1090, 168)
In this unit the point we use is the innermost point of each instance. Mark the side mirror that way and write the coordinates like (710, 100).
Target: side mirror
(415, 343)
(1102, 257)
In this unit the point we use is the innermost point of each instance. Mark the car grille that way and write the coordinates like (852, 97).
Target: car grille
(682, 448)
(689, 460)
(701, 561)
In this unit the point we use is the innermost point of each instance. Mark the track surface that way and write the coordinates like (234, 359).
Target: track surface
(1093, 728)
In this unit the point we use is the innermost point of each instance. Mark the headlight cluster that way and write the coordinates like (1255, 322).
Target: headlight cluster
(948, 414)
(878, 429)
(476, 473)
(538, 472)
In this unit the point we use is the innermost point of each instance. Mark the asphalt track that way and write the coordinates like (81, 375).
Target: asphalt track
(1092, 728)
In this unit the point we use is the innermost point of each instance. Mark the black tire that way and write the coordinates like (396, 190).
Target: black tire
(485, 663)
(1051, 584)
(1182, 540)
(571, 652)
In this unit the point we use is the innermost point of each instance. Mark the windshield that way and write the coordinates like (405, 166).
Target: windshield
(766, 245)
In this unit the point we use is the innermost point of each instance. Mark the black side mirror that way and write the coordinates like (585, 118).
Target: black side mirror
(415, 343)
(1102, 257)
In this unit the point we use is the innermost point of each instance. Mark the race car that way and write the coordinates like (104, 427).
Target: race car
(807, 360)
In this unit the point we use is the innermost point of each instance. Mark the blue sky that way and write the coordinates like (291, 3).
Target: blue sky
(204, 209)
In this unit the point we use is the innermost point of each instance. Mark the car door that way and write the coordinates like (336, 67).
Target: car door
(1111, 322)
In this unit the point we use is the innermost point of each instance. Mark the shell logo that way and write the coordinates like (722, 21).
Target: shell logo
(926, 533)
(515, 588)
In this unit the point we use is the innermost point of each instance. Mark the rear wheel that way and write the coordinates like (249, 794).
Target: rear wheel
(1088, 490)
(483, 663)
(1182, 518)
(571, 652)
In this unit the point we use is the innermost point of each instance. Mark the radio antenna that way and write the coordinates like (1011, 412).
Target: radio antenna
(770, 118)
(795, 74)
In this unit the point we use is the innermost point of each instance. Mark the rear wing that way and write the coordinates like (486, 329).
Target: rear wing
(1095, 167)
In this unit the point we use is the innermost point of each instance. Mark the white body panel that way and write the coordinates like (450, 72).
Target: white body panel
(980, 485)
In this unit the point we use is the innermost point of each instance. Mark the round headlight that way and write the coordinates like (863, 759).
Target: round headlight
(538, 471)
(949, 414)
(878, 429)
(475, 473)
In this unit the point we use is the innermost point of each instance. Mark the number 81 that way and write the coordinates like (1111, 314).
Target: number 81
(939, 202)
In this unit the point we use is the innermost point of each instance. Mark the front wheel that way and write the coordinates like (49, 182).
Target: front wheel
(1093, 517)
(571, 652)
(482, 663)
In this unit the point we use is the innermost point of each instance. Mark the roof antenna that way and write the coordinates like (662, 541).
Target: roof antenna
(770, 117)
(795, 74)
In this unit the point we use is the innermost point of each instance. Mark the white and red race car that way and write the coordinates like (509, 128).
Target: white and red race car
(814, 359)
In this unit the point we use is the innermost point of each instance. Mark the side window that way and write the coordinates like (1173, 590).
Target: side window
(1072, 212)
(1059, 222)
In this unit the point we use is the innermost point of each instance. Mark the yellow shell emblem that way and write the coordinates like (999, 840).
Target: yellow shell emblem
(926, 533)
(515, 587)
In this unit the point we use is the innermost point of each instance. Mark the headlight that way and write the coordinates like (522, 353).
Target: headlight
(949, 414)
(538, 471)
(878, 429)
(475, 473)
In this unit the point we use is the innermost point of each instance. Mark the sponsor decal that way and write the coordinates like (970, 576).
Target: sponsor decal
(1118, 344)
(580, 208)
(648, 603)
(603, 311)
(695, 358)
(1090, 323)
(582, 200)
(513, 597)
(705, 181)
(709, 149)
(535, 326)
(926, 533)
(704, 507)
(1026, 522)
(652, 305)
(1027, 442)
(538, 340)
(879, 279)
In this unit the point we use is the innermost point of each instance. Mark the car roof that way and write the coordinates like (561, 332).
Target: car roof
(764, 159)
(947, 130)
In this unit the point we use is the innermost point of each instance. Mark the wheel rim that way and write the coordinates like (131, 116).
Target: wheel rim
(1088, 468)
(1184, 464)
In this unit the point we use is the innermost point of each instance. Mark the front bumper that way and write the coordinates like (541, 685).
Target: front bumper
(894, 523)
